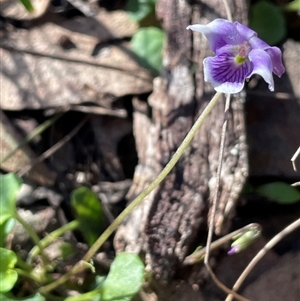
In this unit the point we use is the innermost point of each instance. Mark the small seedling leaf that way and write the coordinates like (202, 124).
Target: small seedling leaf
(8, 276)
(28, 5)
(147, 44)
(9, 187)
(268, 21)
(140, 9)
(279, 192)
(89, 213)
(125, 278)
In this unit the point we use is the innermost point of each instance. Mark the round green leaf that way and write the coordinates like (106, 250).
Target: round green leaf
(268, 21)
(9, 187)
(279, 192)
(89, 213)
(125, 278)
(8, 276)
(147, 44)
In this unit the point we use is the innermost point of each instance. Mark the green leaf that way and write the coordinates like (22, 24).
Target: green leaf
(9, 297)
(8, 276)
(9, 187)
(268, 21)
(5, 229)
(147, 44)
(28, 5)
(125, 278)
(140, 9)
(279, 192)
(89, 213)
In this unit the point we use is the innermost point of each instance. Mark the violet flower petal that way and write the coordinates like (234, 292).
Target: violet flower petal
(245, 31)
(224, 74)
(219, 33)
(276, 57)
(239, 55)
(262, 65)
(257, 43)
(274, 52)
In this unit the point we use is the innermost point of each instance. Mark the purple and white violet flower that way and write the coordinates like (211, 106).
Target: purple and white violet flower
(239, 54)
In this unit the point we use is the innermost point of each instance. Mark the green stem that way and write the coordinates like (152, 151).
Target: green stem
(45, 242)
(78, 268)
(28, 275)
(138, 200)
(33, 236)
(22, 264)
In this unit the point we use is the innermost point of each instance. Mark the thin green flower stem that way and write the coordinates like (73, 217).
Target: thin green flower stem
(138, 200)
(78, 268)
(37, 131)
(51, 237)
(275, 240)
(199, 255)
(32, 235)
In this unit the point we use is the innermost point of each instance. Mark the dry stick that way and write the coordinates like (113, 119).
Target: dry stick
(295, 156)
(52, 149)
(216, 196)
(276, 239)
(214, 208)
(227, 10)
(37, 131)
(296, 184)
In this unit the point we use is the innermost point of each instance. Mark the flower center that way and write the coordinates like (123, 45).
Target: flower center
(243, 51)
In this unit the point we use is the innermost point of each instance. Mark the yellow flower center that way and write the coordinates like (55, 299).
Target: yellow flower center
(242, 55)
(240, 60)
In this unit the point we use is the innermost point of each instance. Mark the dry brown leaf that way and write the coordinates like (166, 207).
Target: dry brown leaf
(51, 65)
